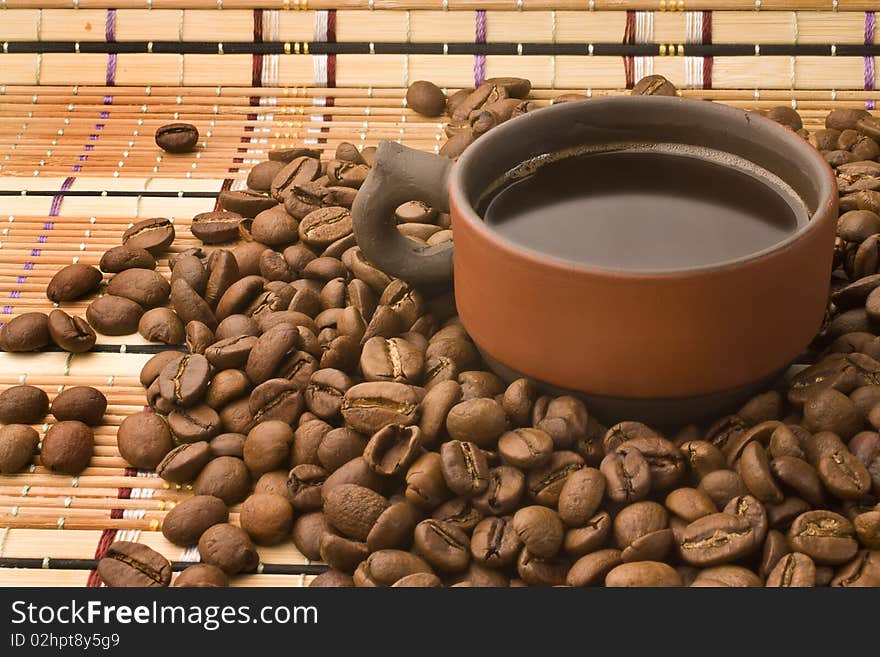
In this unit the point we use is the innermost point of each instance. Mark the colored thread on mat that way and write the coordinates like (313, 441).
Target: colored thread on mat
(110, 34)
(55, 208)
(479, 37)
(629, 37)
(869, 59)
(257, 63)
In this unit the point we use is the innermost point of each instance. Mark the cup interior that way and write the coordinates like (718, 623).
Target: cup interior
(597, 123)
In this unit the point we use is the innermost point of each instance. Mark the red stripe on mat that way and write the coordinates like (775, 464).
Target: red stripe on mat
(109, 535)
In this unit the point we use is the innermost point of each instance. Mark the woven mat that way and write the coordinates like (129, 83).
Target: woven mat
(84, 85)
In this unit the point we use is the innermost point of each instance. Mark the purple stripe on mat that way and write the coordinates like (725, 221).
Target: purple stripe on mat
(110, 34)
(14, 294)
(35, 253)
(56, 203)
(104, 115)
(108, 100)
(49, 225)
(7, 310)
(89, 147)
(869, 60)
(111, 69)
(76, 168)
(21, 279)
(479, 37)
(28, 266)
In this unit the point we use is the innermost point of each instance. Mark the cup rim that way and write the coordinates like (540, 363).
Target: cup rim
(826, 183)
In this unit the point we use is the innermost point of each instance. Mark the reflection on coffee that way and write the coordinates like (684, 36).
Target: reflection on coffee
(642, 208)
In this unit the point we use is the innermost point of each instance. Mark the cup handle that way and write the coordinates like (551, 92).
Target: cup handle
(402, 174)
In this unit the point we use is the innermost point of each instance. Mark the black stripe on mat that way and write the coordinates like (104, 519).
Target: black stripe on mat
(91, 564)
(396, 48)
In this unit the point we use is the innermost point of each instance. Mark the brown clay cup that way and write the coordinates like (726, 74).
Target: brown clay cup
(644, 345)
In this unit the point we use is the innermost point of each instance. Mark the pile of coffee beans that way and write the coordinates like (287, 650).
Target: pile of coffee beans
(351, 413)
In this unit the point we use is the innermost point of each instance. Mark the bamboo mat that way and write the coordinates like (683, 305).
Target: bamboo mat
(85, 83)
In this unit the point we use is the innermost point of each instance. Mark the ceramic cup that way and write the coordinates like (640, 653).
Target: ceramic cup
(634, 343)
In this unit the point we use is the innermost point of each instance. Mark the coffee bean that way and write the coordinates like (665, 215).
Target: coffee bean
(445, 547)
(270, 349)
(591, 569)
(583, 540)
(425, 485)
(245, 202)
(276, 399)
(862, 571)
(113, 315)
(194, 424)
(144, 439)
(795, 569)
(506, 488)
(843, 475)
(303, 486)
(267, 518)
(464, 467)
(120, 258)
(824, 536)
(643, 573)
(481, 421)
(689, 504)
(435, 408)
(722, 486)
(392, 359)
(153, 235)
(216, 227)
(184, 463)
(225, 477)
(177, 137)
(73, 282)
(867, 526)
(665, 461)
(226, 386)
(540, 530)
(25, 332)
(393, 528)
(201, 575)
(189, 306)
(392, 449)
(230, 352)
(545, 483)
(81, 403)
(198, 337)
(229, 548)
(580, 496)
(23, 405)
(800, 476)
(654, 85)
(426, 98)
(353, 510)
(183, 381)
(161, 325)
(71, 333)
(268, 446)
(18, 444)
(536, 571)
(185, 523)
(830, 410)
(385, 567)
(127, 564)
(525, 448)
(627, 474)
(717, 538)
(754, 468)
(67, 447)
(367, 407)
(145, 287)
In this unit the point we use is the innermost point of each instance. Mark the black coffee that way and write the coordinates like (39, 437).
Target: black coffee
(647, 208)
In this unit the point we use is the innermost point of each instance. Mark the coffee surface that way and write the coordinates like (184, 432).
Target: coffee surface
(642, 209)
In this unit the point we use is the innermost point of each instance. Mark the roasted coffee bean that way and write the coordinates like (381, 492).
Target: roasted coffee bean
(862, 571)
(537, 571)
(831, 410)
(435, 408)
(722, 486)
(325, 393)
(443, 546)
(593, 535)
(261, 175)
(25, 332)
(342, 553)
(229, 548)
(245, 202)
(113, 315)
(230, 353)
(519, 397)
(506, 488)
(184, 463)
(325, 225)
(654, 85)
(799, 476)
(426, 98)
(495, 542)
(144, 439)
(128, 564)
(300, 170)
(153, 235)
(177, 137)
(23, 405)
(425, 485)
(459, 512)
(275, 227)
(866, 447)
(526, 448)
(591, 569)
(18, 444)
(392, 449)
(194, 424)
(185, 523)
(201, 575)
(304, 486)
(481, 421)
(545, 483)
(627, 474)
(67, 447)
(843, 475)
(717, 538)
(689, 504)
(184, 380)
(393, 528)
(276, 399)
(540, 530)
(161, 325)
(754, 468)
(216, 227)
(367, 407)
(228, 444)
(123, 257)
(225, 477)
(189, 306)
(267, 518)
(73, 282)
(81, 403)
(71, 333)
(385, 567)
(392, 359)
(198, 337)
(226, 386)
(665, 462)
(268, 446)
(795, 570)
(580, 496)
(465, 468)
(825, 536)
(339, 446)
(353, 510)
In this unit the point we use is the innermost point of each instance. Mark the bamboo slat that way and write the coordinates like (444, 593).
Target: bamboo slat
(427, 25)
